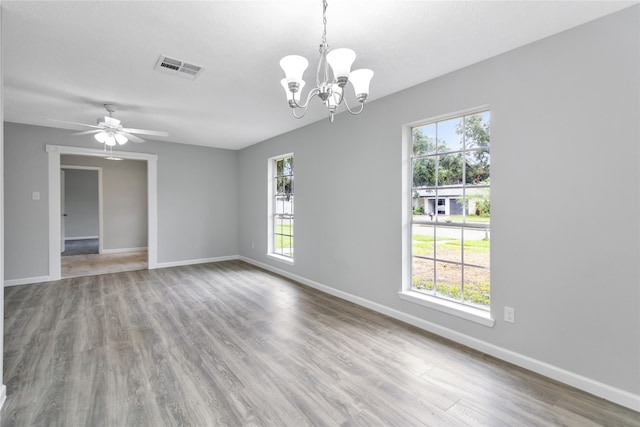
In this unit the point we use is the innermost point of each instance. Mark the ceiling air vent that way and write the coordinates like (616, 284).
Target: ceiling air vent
(178, 68)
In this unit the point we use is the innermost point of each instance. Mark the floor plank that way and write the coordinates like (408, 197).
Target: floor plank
(230, 344)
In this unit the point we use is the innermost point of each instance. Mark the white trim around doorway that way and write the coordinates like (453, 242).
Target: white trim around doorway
(54, 152)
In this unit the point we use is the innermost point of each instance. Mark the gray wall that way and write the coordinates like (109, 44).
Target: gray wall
(565, 133)
(26, 236)
(197, 198)
(124, 198)
(2, 202)
(80, 203)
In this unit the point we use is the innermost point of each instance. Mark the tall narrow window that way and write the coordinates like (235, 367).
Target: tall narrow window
(281, 206)
(451, 211)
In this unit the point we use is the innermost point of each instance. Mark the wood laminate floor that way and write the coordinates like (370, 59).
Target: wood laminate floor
(229, 344)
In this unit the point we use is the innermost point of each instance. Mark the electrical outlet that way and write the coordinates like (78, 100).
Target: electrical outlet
(253, 245)
(510, 314)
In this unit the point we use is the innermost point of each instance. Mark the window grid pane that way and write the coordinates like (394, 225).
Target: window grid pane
(283, 202)
(450, 234)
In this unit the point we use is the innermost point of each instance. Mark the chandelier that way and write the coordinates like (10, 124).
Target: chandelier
(334, 71)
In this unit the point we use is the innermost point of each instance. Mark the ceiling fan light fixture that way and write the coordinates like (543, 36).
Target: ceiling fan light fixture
(120, 138)
(109, 130)
(100, 137)
(110, 140)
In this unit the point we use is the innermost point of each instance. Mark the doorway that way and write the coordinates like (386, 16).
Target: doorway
(104, 216)
(55, 211)
(81, 210)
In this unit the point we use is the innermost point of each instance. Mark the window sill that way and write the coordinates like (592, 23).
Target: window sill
(459, 310)
(281, 258)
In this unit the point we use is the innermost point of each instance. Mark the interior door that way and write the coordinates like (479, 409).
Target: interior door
(62, 213)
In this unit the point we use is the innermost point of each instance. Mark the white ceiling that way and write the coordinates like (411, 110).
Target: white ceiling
(65, 59)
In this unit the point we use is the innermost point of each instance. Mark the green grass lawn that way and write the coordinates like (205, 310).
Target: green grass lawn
(474, 292)
(423, 245)
(283, 237)
(477, 293)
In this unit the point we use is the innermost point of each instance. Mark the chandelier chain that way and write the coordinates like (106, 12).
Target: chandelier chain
(324, 23)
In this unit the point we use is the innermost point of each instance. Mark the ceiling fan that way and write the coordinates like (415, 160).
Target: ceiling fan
(110, 131)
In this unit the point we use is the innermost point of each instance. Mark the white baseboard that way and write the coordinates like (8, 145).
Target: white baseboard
(196, 261)
(123, 250)
(26, 281)
(3, 394)
(80, 238)
(613, 394)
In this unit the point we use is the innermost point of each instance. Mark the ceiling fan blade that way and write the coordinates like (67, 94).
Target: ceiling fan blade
(74, 123)
(87, 132)
(146, 132)
(132, 138)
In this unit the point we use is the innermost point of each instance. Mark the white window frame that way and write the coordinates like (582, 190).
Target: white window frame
(473, 314)
(271, 191)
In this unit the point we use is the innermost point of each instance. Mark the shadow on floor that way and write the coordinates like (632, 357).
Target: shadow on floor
(80, 247)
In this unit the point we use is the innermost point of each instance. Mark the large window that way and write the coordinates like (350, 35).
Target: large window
(451, 210)
(281, 206)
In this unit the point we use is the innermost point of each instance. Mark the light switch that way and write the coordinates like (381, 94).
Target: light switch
(35, 195)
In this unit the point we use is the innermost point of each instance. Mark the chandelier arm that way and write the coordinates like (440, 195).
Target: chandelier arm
(350, 110)
(312, 93)
(340, 97)
(304, 111)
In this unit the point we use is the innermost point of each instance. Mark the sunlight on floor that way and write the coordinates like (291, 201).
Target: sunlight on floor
(94, 264)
